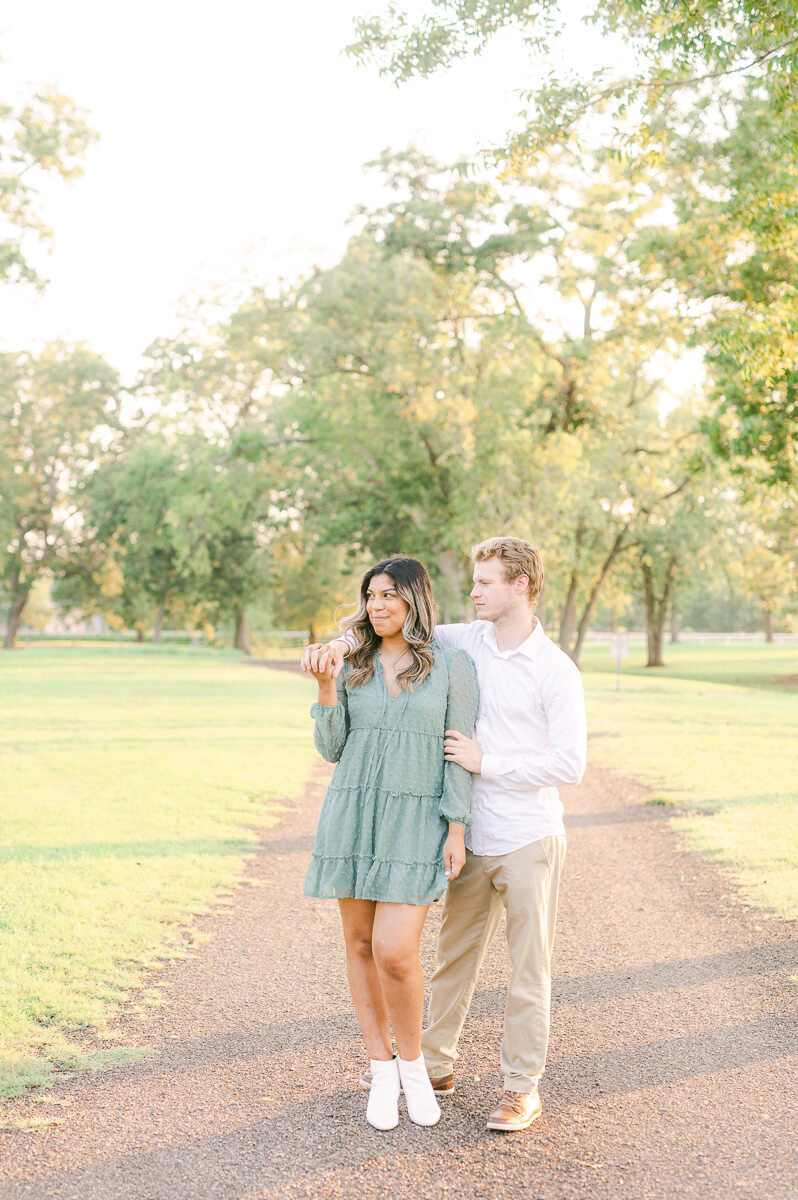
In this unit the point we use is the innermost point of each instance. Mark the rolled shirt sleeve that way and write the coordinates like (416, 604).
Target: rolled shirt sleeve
(461, 714)
(563, 760)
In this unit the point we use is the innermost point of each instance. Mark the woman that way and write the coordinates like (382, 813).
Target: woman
(392, 824)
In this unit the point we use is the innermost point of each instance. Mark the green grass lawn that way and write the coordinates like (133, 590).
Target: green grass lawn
(715, 733)
(132, 785)
(134, 780)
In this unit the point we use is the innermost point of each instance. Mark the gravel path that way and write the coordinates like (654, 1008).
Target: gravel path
(672, 1069)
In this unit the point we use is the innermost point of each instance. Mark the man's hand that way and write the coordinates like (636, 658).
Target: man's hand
(318, 656)
(328, 693)
(463, 750)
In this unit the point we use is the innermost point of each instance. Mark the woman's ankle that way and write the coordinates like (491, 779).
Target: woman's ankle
(417, 1062)
(409, 1058)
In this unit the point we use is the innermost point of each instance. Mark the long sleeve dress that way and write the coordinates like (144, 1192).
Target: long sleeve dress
(385, 814)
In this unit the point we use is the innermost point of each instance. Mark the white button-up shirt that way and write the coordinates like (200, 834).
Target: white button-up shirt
(532, 731)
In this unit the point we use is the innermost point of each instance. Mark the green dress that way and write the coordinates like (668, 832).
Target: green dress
(385, 815)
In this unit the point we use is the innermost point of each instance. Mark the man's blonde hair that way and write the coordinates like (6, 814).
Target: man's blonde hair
(517, 556)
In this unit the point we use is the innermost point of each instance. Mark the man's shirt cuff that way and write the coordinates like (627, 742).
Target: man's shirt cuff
(493, 766)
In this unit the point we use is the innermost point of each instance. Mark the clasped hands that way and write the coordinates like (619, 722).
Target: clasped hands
(323, 662)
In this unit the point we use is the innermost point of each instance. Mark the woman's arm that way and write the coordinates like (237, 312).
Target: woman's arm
(461, 714)
(331, 714)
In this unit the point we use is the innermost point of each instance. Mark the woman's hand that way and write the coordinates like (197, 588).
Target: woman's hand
(317, 656)
(325, 678)
(314, 658)
(454, 854)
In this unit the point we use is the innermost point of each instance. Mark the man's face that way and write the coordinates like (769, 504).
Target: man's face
(493, 596)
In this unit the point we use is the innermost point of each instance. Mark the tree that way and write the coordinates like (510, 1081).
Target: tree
(678, 46)
(163, 532)
(312, 584)
(222, 383)
(763, 557)
(384, 391)
(712, 101)
(733, 251)
(674, 538)
(450, 398)
(127, 539)
(45, 134)
(57, 410)
(92, 579)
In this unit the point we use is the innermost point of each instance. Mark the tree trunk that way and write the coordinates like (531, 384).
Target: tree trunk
(656, 610)
(655, 621)
(587, 616)
(674, 622)
(568, 619)
(242, 641)
(159, 616)
(14, 620)
(139, 634)
(769, 624)
(451, 589)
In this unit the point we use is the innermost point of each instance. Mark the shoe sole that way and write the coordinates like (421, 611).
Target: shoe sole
(504, 1128)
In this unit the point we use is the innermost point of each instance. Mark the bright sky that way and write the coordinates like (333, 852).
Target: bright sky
(232, 137)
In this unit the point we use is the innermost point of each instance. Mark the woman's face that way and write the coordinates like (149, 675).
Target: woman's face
(385, 608)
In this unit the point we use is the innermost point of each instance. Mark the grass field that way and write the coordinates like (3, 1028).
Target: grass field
(133, 783)
(716, 735)
(134, 780)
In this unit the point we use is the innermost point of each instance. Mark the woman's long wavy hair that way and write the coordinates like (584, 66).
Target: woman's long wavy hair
(413, 585)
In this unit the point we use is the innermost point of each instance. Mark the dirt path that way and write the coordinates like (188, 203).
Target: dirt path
(672, 1070)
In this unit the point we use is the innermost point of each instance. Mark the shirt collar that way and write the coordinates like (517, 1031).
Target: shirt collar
(530, 648)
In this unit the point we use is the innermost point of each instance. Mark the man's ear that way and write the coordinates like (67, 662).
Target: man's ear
(521, 583)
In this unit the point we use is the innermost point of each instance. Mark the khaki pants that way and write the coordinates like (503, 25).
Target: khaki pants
(525, 882)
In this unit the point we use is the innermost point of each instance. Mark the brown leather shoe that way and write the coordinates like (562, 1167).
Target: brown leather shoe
(441, 1087)
(515, 1110)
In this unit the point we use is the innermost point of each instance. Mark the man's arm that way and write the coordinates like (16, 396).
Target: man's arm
(565, 758)
(316, 656)
(453, 635)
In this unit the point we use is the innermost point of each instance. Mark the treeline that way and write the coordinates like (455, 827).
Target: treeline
(484, 358)
(498, 350)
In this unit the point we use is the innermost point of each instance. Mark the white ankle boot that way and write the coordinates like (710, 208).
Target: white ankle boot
(422, 1107)
(382, 1110)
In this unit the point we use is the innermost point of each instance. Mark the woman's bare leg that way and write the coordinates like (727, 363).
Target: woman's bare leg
(357, 917)
(396, 934)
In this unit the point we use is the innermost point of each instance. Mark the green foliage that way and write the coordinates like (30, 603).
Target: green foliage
(763, 553)
(677, 45)
(712, 103)
(180, 522)
(45, 134)
(172, 525)
(57, 410)
(449, 399)
(733, 250)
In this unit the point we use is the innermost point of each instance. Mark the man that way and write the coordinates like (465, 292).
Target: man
(530, 738)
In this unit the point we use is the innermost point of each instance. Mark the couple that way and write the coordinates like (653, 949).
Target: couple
(398, 701)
